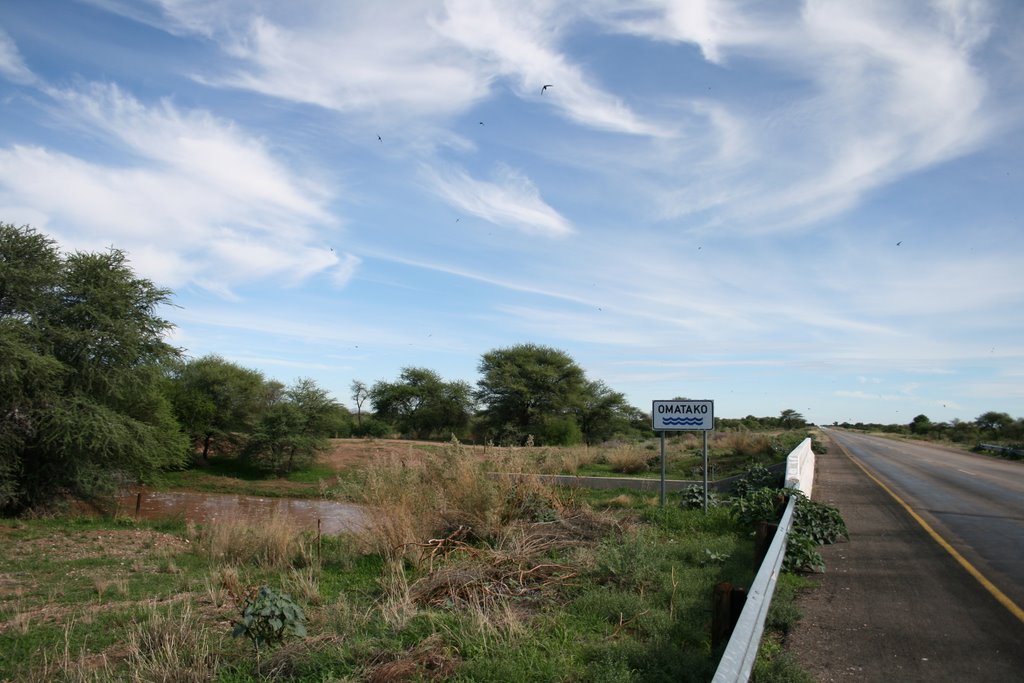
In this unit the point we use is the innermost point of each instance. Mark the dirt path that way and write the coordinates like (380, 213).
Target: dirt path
(893, 605)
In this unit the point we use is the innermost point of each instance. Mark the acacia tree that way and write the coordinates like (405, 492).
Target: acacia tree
(360, 393)
(84, 362)
(921, 425)
(993, 422)
(420, 403)
(791, 419)
(294, 429)
(530, 389)
(604, 412)
(217, 402)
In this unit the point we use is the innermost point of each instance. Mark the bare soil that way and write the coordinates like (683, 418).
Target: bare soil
(345, 454)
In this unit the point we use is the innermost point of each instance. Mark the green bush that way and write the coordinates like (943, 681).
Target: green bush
(757, 477)
(759, 505)
(821, 522)
(269, 616)
(692, 498)
(814, 524)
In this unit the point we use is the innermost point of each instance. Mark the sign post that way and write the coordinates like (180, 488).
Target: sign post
(683, 415)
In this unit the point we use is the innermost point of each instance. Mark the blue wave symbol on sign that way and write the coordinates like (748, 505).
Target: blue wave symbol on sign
(683, 421)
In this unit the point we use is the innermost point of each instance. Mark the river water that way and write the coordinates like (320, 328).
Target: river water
(204, 508)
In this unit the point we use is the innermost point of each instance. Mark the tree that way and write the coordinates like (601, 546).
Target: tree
(603, 413)
(82, 375)
(292, 430)
(790, 419)
(217, 402)
(993, 422)
(421, 404)
(360, 393)
(921, 425)
(531, 390)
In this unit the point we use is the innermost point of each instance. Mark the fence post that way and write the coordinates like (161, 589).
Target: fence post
(721, 614)
(764, 532)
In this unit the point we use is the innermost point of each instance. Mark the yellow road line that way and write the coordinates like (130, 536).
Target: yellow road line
(999, 595)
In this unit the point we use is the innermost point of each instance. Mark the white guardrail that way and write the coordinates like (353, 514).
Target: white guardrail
(741, 651)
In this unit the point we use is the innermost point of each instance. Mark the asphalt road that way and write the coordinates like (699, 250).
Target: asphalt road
(975, 502)
(893, 603)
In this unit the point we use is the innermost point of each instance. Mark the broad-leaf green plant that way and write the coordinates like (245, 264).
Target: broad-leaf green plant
(269, 616)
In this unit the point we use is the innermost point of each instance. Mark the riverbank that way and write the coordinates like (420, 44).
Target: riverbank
(466, 577)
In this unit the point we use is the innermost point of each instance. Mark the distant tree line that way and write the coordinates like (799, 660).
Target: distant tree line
(992, 426)
(93, 396)
(787, 419)
(526, 393)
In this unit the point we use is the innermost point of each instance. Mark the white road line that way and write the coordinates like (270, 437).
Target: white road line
(966, 472)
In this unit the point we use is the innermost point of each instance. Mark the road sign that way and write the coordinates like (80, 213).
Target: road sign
(694, 416)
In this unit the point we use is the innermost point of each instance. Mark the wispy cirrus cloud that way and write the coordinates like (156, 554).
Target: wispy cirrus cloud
(520, 41)
(877, 91)
(190, 196)
(397, 63)
(12, 66)
(511, 199)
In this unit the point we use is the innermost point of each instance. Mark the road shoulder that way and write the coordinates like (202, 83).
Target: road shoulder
(893, 605)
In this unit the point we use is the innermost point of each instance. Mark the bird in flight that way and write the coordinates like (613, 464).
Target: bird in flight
(549, 85)
(899, 243)
(378, 137)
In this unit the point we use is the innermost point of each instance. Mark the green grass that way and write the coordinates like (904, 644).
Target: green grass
(228, 475)
(636, 607)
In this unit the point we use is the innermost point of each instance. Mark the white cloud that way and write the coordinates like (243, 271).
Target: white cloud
(518, 40)
(861, 395)
(709, 24)
(366, 57)
(877, 90)
(511, 200)
(12, 66)
(397, 62)
(189, 196)
(343, 272)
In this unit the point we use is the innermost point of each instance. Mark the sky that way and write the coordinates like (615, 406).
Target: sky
(814, 205)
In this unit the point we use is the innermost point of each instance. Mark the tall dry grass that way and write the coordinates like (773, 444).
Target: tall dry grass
(452, 491)
(747, 444)
(628, 460)
(563, 460)
(274, 543)
(171, 647)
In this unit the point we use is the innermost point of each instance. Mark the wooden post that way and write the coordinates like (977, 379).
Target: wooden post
(138, 504)
(721, 614)
(764, 532)
(737, 600)
(726, 605)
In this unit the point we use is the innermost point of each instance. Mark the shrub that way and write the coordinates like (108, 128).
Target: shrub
(814, 524)
(269, 616)
(692, 498)
(757, 477)
(759, 505)
(822, 523)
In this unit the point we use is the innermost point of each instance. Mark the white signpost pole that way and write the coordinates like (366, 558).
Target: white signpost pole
(705, 471)
(663, 469)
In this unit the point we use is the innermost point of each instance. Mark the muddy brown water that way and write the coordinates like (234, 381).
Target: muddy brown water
(204, 508)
